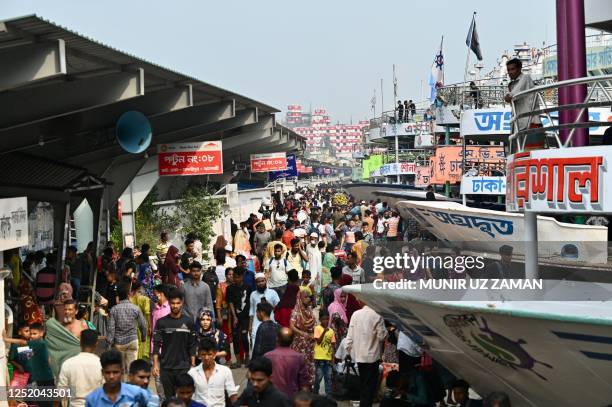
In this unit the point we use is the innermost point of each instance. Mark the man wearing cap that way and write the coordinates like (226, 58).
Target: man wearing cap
(261, 294)
(503, 268)
(314, 260)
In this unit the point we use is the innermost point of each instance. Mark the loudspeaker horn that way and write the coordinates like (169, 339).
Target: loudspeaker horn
(133, 132)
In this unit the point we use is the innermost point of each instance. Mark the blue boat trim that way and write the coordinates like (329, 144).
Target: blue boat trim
(584, 337)
(597, 355)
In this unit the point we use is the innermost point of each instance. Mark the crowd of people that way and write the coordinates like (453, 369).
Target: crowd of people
(270, 299)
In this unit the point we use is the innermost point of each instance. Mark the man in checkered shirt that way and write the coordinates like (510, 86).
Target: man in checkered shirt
(124, 318)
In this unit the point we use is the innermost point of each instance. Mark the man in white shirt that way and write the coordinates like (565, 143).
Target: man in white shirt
(211, 379)
(520, 82)
(315, 260)
(365, 337)
(83, 372)
(276, 270)
(262, 292)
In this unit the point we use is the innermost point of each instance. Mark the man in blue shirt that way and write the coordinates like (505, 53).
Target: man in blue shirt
(114, 393)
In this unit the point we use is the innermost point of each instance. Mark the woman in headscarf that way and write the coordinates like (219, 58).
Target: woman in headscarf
(303, 324)
(337, 315)
(284, 308)
(171, 267)
(206, 329)
(146, 276)
(30, 311)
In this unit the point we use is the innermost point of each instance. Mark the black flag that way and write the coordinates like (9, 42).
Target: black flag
(472, 39)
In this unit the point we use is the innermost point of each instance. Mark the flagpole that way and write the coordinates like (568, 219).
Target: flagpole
(394, 92)
(467, 58)
(374, 104)
(382, 100)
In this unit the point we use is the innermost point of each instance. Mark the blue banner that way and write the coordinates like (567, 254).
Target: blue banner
(291, 170)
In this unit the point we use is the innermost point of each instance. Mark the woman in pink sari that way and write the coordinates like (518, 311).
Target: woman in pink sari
(337, 315)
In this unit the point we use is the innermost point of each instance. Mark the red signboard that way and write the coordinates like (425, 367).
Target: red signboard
(197, 158)
(268, 162)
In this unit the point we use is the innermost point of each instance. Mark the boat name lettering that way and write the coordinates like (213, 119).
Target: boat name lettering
(563, 182)
(491, 227)
(487, 121)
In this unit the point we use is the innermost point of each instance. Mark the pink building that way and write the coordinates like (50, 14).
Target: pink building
(323, 138)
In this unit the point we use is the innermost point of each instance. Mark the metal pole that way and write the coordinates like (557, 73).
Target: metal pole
(397, 165)
(382, 101)
(576, 64)
(447, 142)
(562, 68)
(531, 245)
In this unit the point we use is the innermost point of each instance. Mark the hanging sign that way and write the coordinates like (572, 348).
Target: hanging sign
(573, 180)
(268, 162)
(483, 185)
(197, 158)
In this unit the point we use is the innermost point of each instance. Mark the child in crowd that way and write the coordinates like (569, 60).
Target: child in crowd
(111, 289)
(306, 283)
(324, 353)
(38, 363)
(185, 387)
(20, 358)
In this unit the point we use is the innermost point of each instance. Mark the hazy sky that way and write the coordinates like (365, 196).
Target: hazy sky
(322, 53)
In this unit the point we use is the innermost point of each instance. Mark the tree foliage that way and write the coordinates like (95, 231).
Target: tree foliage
(196, 211)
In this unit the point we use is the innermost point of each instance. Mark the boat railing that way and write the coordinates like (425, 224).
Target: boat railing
(541, 105)
(392, 117)
(477, 97)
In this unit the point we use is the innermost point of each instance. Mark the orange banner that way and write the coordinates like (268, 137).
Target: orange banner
(447, 163)
(421, 178)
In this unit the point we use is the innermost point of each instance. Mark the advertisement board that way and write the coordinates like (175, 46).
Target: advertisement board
(13, 223)
(447, 163)
(268, 162)
(291, 171)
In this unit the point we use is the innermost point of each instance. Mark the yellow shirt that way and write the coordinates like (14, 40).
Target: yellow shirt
(325, 349)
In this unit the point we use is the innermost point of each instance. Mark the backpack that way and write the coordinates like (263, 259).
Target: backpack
(286, 263)
(303, 263)
(314, 228)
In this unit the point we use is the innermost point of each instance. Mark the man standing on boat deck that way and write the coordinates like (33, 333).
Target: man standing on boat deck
(502, 268)
(520, 82)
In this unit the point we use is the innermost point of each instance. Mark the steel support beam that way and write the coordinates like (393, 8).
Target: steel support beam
(25, 64)
(36, 104)
(164, 127)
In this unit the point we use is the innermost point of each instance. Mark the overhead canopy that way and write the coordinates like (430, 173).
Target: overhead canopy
(62, 94)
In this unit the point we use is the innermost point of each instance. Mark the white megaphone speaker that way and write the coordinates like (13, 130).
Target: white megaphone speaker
(133, 132)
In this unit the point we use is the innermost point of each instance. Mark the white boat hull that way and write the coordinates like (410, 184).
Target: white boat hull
(486, 230)
(540, 353)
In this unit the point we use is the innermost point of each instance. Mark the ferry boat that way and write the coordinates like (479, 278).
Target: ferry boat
(547, 348)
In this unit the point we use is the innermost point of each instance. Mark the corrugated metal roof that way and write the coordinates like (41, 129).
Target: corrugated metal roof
(84, 52)
(24, 170)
